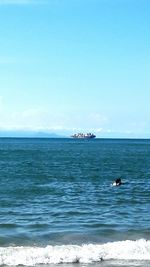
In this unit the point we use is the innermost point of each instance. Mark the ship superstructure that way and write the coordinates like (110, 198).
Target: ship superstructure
(84, 135)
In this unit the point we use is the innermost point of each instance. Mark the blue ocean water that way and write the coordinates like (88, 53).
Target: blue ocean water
(58, 205)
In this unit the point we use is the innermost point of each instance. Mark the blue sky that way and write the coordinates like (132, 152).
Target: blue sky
(75, 65)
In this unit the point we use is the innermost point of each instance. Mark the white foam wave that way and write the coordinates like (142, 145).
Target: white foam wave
(31, 256)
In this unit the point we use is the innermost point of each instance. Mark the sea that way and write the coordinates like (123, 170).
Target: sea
(58, 206)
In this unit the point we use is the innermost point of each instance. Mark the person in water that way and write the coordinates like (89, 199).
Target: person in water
(117, 182)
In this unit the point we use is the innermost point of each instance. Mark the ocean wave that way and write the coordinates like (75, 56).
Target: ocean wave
(87, 253)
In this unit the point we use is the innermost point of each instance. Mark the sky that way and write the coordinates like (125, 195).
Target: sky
(70, 66)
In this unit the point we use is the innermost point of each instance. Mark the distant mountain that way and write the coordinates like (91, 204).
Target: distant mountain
(47, 135)
(29, 134)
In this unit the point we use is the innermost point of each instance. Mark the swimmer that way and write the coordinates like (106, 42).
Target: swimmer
(117, 182)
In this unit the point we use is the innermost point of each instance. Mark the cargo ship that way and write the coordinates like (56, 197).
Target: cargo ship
(83, 136)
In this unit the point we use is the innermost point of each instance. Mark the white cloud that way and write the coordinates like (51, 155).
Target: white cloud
(65, 123)
(40, 119)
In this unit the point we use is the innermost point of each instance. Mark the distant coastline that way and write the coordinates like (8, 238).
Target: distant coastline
(45, 134)
(29, 134)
